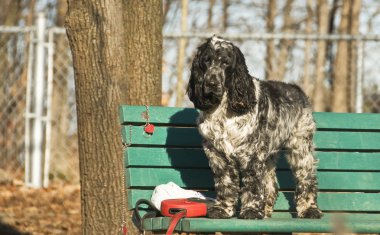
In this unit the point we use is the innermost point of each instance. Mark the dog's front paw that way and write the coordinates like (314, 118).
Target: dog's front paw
(312, 213)
(251, 213)
(216, 212)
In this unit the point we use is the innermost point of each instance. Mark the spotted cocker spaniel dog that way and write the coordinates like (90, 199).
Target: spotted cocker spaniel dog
(244, 123)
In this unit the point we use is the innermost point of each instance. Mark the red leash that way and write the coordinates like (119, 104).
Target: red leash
(181, 208)
(175, 208)
(174, 221)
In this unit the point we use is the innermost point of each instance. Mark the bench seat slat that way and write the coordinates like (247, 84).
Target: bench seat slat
(202, 179)
(328, 201)
(277, 225)
(188, 116)
(196, 158)
(171, 136)
(281, 222)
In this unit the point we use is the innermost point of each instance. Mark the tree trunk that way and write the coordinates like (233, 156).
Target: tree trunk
(340, 73)
(103, 61)
(270, 50)
(285, 44)
(143, 24)
(354, 30)
(180, 88)
(320, 74)
(226, 4)
(96, 35)
(210, 14)
(306, 80)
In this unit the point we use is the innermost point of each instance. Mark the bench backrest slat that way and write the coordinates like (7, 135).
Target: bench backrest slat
(202, 179)
(195, 158)
(188, 117)
(190, 137)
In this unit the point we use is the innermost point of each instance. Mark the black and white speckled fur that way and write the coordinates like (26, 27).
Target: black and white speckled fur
(244, 123)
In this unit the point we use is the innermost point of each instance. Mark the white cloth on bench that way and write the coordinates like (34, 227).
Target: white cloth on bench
(172, 191)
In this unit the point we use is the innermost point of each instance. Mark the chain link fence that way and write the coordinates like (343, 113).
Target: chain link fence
(17, 62)
(13, 76)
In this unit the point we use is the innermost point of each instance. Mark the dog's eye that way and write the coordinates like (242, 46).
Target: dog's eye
(207, 59)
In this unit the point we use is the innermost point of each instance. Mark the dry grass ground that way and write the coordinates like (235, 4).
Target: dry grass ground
(55, 210)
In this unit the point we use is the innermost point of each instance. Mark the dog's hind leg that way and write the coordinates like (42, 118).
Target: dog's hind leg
(303, 166)
(226, 178)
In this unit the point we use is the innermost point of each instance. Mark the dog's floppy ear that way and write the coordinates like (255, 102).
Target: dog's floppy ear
(194, 87)
(240, 87)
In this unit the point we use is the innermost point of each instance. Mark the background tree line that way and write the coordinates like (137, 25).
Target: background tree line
(327, 68)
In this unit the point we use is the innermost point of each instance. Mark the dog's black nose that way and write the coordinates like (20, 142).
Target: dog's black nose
(212, 80)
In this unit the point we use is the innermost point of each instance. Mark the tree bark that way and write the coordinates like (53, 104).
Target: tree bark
(143, 24)
(210, 14)
(307, 83)
(226, 4)
(320, 74)
(340, 73)
(96, 35)
(180, 87)
(354, 30)
(285, 44)
(270, 47)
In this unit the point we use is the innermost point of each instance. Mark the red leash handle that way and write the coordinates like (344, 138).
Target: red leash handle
(174, 221)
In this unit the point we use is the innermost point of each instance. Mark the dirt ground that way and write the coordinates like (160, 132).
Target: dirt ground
(26, 211)
(55, 210)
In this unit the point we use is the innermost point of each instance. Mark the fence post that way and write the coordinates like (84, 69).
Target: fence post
(39, 85)
(359, 76)
(49, 90)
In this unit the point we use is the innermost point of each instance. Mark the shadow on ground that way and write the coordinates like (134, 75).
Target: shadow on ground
(6, 229)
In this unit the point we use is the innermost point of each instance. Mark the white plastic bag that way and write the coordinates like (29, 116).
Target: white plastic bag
(172, 191)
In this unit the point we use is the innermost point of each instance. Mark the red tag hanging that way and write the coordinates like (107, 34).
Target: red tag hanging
(125, 230)
(149, 128)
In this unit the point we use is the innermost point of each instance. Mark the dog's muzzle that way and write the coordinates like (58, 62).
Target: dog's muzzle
(212, 84)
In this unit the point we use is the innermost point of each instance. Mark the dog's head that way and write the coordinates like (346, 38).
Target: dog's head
(219, 67)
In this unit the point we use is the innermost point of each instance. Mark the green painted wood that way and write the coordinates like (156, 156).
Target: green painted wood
(196, 158)
(202, 179)
(188, 116)
(150, 177)
(159, 223)
(328, 201)
(277, 225)
(166, 157)
(336, 131)
(356, 121)
(168, 136)
(347, 140)
(348, 160)
(280, 222)
(330, 215)
(189, 136)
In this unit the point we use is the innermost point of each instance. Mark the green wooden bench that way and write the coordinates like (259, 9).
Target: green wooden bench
(347, 146)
